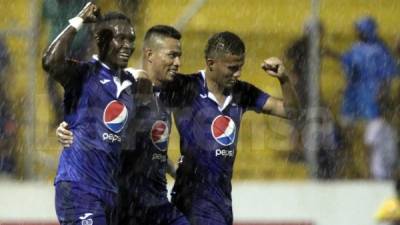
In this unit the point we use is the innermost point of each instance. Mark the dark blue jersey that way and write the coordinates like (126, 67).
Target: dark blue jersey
(98, 103)
(208, 138)
(144, 156)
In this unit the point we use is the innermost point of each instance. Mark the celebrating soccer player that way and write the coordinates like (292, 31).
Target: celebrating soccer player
(208, 107)
(98, 103)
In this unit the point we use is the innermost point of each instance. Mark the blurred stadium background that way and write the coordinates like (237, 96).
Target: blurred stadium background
(267, 27)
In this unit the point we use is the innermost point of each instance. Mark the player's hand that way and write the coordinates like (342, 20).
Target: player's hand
(274, 67)
(64, 136)
(90, 13)
(144, 86)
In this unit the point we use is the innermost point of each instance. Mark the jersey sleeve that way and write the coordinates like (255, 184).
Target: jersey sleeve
(69, 72)
(249, 97)
(180, 91)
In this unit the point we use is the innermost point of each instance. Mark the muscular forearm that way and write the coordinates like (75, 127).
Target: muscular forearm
(56, 54)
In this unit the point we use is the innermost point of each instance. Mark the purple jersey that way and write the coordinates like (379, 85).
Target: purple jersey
(98, 104)
(142, 197)
(144, 156)
(208, 138)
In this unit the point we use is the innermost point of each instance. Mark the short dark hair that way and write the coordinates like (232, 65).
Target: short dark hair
(224, 43)
(161, 31)
(111, 16)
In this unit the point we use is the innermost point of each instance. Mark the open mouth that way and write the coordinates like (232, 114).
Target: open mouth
(172, 72)
(124, 55)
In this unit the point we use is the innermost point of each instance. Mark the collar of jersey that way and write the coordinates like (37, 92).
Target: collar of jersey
(211, 96)
(120, 84)
(96, 58)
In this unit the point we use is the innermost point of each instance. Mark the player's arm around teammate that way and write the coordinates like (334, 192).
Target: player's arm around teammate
(66, 137)
(288, 107)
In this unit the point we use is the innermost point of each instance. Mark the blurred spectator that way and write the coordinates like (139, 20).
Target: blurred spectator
(369, 68)
(56, 14)
(298, 55)
(330, 139)
(7, 122)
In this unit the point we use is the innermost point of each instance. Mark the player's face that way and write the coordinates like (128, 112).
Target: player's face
(166, 59)
(228, 69)
(121, 46)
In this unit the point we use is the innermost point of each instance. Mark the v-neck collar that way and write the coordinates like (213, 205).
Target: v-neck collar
(211, 96)
(105, 78)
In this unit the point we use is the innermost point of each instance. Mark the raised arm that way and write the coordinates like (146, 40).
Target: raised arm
(55, 57)
(288, 107)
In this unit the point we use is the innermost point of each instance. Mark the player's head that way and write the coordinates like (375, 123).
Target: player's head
(115, 38)
(366, 29)
(225, 54)
(162, 52)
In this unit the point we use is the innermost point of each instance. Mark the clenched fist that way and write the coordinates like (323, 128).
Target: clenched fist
(274, 67)
(90, 13)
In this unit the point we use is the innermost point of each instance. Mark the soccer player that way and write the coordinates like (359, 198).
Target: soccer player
(98, 102)
(142, 197)
(143, 185)
(208, 107)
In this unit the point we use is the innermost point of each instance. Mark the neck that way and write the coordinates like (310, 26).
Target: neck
(151, 75)
(108, 64)
(212, 85)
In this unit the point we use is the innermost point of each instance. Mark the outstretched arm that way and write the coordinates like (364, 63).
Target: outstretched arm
(55, 57)
(288, 107)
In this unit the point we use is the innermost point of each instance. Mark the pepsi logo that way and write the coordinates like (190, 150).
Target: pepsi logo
(159, 135)
(115, 116)
(223, 129)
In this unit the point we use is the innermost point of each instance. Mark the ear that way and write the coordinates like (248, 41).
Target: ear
(210, 63)
(148, 54)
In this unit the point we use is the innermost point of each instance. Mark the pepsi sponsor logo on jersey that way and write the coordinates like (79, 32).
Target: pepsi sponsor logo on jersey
(223, 129)
(159, 135)
(115, 116)
(161, 157)
(224, 152)
(111, 138)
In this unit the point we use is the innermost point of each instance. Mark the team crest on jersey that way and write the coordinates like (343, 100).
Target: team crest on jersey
(159, 135)
(223, 129)
(115, 116)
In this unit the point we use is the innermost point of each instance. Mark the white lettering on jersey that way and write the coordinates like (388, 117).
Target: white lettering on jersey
(223, 152)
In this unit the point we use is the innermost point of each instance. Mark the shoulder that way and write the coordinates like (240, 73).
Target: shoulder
(181, 90)
(134, 73)
(247, 94)
(242, 86)
(184, 81)
(194, 77)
